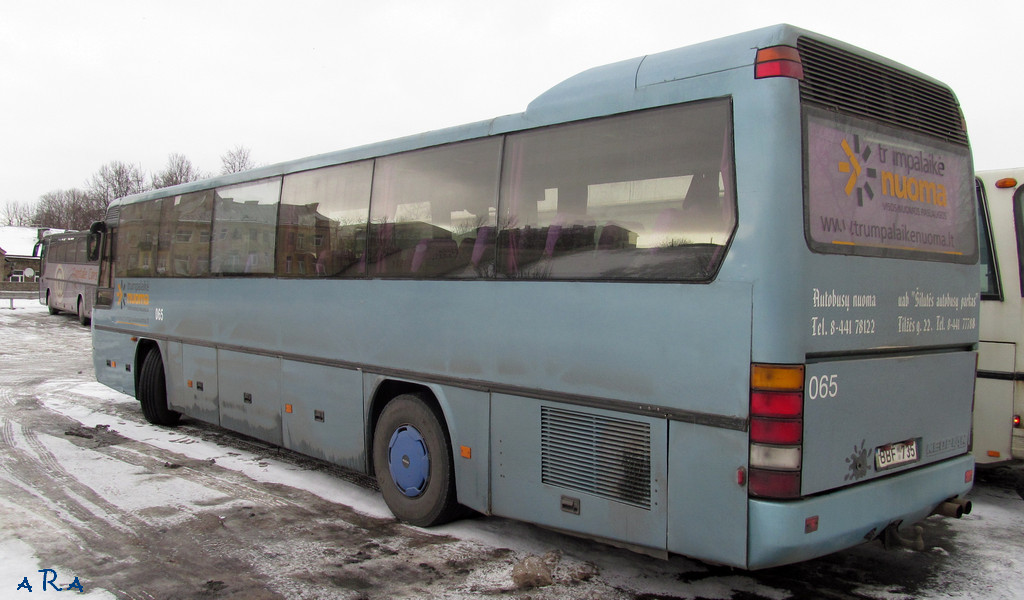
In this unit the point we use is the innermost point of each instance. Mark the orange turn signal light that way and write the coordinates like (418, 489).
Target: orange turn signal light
(782, 378)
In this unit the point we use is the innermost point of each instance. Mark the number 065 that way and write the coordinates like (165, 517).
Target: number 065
(823, 386)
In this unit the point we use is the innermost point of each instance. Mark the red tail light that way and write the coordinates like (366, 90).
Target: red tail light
(774, 484)
(777, 404)
(776, 430)
(778, 61)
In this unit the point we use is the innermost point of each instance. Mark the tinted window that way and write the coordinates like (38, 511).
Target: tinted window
(138, 238)
(185, 235)
(989, 270)
(322, 225)
(245, 228)
(81, 253)
(1018, 222)
(644, 196)
(58, 252)
(433, 211)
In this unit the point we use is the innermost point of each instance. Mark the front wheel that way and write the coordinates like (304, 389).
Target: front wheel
(152, 392)
(49, 307)
(412, 458)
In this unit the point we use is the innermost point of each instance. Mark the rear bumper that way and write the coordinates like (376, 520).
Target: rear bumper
(850, 516)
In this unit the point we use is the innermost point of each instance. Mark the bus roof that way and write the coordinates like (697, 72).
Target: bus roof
(596, 92)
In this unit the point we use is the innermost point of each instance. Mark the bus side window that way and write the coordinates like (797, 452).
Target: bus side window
(322, 222)
(643, 196)
(1018, 223)
(93, 247)
(139, 226)
(432, 211)
(245, 219)
(990, 285)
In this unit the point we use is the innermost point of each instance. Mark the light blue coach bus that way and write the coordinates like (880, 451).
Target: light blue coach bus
(719, 301)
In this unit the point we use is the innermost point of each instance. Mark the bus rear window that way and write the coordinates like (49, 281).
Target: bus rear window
(873, 190)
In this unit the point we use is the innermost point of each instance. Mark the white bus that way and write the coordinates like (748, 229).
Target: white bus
(719, 301)
(999, 392)
(70, 268)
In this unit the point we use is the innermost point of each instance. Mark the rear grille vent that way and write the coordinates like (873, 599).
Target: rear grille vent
(112, 216)
(610, 458)
(837, 79)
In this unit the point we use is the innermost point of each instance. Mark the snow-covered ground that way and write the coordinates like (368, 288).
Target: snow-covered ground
(88, 489)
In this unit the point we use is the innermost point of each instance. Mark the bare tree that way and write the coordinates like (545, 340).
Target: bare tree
(115, 180)
(18, 214)
(234, 161)
(69, 209)
(179, 169)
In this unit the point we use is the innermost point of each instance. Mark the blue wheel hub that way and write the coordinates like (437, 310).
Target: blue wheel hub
(409, 461)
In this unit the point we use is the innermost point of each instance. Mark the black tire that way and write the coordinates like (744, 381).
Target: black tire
(433, 501)
(82, 319)
(49, 306)
(152, 392)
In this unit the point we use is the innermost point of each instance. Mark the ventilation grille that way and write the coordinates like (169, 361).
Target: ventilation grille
(112, 216)
(610, 458)
(840, 80)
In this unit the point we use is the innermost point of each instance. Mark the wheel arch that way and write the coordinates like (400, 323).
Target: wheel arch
(387, 389)
(464, 414)
(142, 348)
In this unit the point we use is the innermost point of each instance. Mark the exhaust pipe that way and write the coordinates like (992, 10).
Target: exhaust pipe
(954, 508)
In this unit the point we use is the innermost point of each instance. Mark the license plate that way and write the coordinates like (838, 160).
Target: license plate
(894, 455)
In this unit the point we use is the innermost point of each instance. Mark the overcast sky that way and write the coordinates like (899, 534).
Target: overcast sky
(85, 83)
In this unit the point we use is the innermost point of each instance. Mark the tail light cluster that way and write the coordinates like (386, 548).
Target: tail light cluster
(778, 61)
(776, 430)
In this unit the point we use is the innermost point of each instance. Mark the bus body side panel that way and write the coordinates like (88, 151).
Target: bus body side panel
(890, 347)
(779, 532)
(589, 471)
(250, 394)
(67, 283)
(878, 402)
(993, 401)
(193, 389)
(113, 358)
(322, 413)
(707, 502)
(467, 414)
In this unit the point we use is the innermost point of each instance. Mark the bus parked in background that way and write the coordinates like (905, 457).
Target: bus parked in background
(719, 301)
(999, 392)
(70, 271)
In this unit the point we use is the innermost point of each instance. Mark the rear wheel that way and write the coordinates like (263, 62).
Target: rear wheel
(152, 392)
(82, 319)
(412, 458)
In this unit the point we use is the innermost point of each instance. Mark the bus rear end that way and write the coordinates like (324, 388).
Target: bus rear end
(861, 397)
